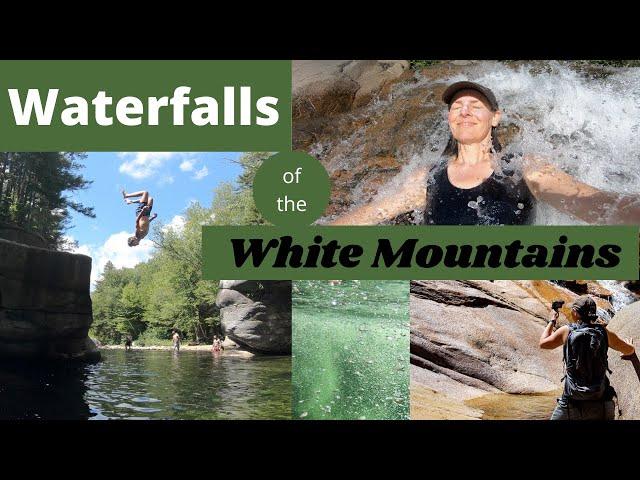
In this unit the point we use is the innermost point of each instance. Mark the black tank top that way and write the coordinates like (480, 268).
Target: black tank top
(502, 199)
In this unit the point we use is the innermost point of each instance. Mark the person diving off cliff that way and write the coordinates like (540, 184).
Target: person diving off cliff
(143, 215)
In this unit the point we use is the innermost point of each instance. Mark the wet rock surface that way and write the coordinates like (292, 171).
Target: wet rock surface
(257, 315)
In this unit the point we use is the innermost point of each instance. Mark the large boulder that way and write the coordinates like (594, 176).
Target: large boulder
(45, 306)
(480, 339)
(257, 315)
(624, 378)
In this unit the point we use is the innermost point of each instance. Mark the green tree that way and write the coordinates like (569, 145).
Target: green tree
(168, 291)
(34, 188)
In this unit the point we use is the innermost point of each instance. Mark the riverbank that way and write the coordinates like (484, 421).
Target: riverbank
(227, 352)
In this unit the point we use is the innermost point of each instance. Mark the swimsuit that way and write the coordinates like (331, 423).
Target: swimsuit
(502, 199)
(140, 207)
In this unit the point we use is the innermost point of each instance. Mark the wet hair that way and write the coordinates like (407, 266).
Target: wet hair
(451, 150)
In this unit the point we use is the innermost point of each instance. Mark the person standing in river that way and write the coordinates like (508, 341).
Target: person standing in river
(587, 393)
(474, 184)
(175, 338)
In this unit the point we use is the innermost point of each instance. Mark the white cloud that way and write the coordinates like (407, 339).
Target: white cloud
(200, 174)
(81, 249)
(116, 250)
(166, 180)
(187, 165)
(142, 165)
(177, 224)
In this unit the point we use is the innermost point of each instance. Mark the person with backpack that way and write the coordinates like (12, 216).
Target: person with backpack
(587, 393)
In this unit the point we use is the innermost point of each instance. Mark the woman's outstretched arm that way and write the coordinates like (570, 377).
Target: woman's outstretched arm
(409, 196)
(560, 190)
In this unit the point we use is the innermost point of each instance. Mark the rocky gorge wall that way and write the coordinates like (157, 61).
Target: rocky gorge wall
(45, 305)
(624, 378)
(470, 339)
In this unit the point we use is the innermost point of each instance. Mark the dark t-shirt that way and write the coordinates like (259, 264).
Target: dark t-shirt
(503, 199)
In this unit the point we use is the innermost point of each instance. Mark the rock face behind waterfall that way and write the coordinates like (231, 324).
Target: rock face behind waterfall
(624, 379)
(257, 315)
(45, 306)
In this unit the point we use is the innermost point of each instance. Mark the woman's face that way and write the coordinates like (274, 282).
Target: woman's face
(471, 118)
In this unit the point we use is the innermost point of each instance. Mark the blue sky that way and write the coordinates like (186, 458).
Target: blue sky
(174, 179)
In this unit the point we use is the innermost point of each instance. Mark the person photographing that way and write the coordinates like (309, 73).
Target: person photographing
(587, 392)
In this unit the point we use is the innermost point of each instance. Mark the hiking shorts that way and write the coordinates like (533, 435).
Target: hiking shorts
(587, 410)
(141, 207)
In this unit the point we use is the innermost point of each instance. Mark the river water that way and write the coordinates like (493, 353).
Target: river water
(150, 385)
(351, 350)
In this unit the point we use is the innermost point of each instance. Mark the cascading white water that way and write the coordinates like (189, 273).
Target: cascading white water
(620, 296)
(586, 126)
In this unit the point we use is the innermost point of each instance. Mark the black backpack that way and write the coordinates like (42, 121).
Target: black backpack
(586, 363)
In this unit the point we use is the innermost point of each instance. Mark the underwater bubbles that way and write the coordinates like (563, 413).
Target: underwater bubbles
(350, 367)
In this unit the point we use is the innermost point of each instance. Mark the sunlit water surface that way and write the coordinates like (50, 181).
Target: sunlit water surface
(149, 385)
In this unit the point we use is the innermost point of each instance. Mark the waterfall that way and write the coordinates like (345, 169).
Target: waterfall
(583, 120)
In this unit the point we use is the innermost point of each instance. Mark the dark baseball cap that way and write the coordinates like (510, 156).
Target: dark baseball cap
(585, 306)
(454, 88)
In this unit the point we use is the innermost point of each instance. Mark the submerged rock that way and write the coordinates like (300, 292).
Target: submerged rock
(257, 315)
(45, 306)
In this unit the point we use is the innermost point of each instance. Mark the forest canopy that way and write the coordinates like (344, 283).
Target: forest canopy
(34, 188)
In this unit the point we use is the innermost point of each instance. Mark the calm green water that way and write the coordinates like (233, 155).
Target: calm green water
(351, 350)
(150, 385)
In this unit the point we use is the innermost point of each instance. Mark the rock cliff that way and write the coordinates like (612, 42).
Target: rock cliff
(45, 306)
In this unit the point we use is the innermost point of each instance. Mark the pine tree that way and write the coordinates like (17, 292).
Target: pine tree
(34, 188)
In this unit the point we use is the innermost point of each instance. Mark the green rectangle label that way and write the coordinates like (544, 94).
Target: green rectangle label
(146, 105)
(412, 252)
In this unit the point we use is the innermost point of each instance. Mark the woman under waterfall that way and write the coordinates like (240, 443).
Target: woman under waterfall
(476, 185)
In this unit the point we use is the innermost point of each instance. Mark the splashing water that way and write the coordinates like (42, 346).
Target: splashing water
(620, 296)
